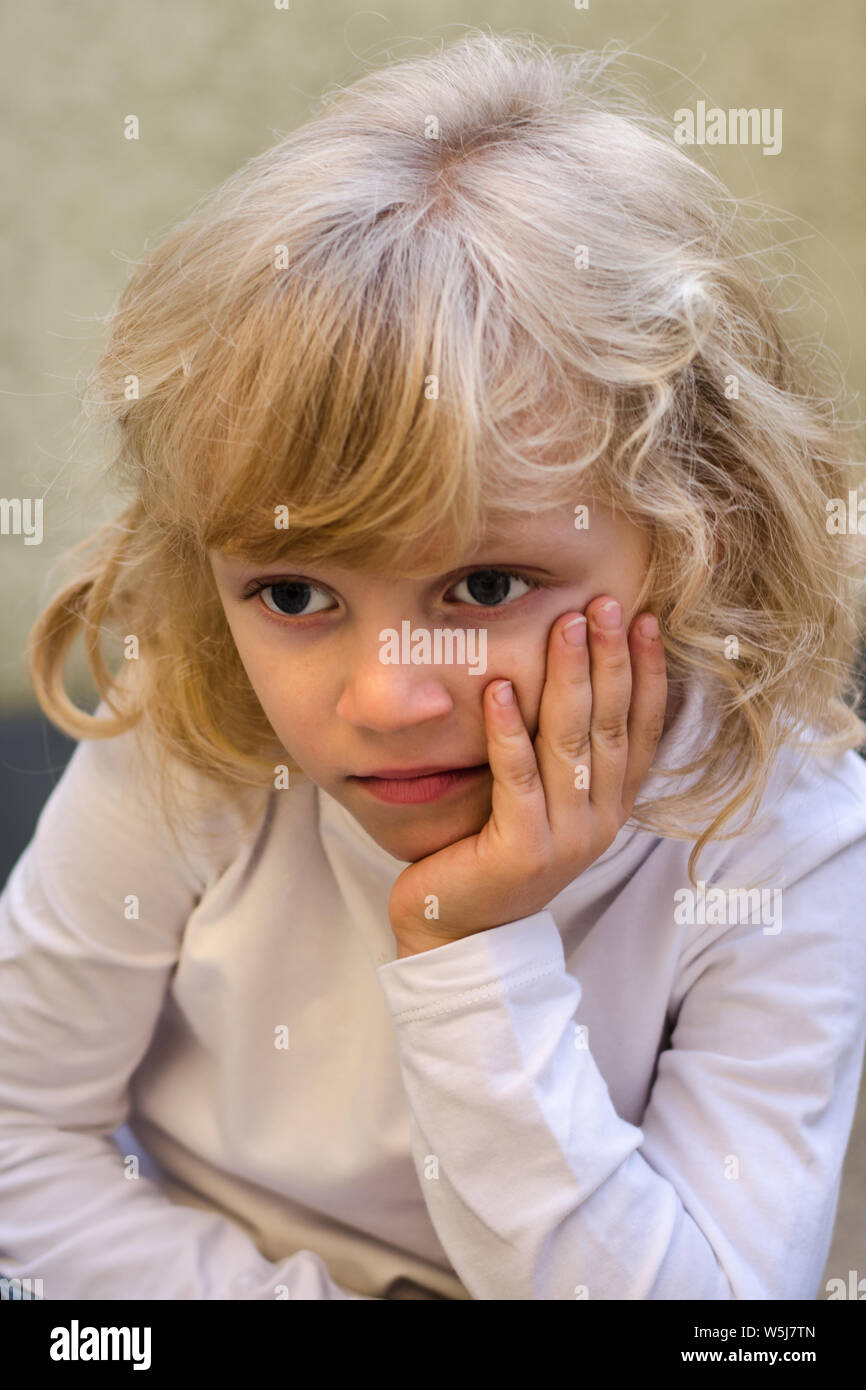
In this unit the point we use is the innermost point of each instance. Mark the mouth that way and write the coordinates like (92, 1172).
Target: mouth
(419, 784)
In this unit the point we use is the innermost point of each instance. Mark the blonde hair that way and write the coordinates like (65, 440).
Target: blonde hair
(386, 324)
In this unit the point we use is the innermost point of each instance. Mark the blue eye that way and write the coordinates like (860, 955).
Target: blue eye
(487, 589)
(490, 587)
(292, 595)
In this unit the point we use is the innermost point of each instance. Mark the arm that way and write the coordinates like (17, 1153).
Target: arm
(82, 982)
(728, 1189)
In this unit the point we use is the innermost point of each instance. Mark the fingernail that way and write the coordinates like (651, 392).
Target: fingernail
(503, 694)
(575, 631)
(649, 626)
(609, 616)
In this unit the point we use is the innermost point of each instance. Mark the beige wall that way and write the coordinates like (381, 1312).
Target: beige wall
(215, 81)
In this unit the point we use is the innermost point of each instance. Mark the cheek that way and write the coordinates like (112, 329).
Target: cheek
(299, 720)
(282, 701)
(249, 650)
(523, 661)
(261, 678)
(294, 704)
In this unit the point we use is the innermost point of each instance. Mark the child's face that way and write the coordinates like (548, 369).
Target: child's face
(341, 713)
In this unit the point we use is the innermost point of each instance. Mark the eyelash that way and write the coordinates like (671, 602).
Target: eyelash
(258, 586)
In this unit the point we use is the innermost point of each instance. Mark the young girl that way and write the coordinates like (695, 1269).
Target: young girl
(402, 991)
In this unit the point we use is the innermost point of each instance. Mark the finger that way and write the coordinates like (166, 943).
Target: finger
(519, 812)
(611, 676)
(648, 705)
(562, 745)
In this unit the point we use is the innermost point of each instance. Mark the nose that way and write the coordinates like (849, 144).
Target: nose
(387, 698)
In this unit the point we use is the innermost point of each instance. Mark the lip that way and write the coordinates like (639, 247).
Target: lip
(419, 787)
(394, 774)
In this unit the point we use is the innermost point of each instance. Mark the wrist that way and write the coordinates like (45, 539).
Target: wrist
(415, 944)
(403, 951)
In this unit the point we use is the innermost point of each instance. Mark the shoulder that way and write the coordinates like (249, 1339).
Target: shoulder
(784, 897)
(813, 808)
(110, 794)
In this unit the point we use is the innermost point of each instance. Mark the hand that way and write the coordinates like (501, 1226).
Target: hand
(557, 803)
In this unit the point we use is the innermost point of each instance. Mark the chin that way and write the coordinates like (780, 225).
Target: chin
(418, 842)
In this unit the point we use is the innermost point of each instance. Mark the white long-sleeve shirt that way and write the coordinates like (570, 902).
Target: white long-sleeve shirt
(614, 1098)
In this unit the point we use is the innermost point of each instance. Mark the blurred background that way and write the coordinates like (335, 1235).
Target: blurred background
(214, 82)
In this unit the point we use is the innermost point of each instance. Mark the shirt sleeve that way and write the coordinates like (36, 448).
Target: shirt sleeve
(728, 1189)
(91, 928)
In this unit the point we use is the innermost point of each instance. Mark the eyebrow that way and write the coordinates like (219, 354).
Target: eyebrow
(236, 564)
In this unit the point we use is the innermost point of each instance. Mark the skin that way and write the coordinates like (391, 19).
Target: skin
(338, 710)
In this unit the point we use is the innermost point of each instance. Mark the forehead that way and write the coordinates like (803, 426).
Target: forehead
(582, 523)
(565, 539)
(549, 537)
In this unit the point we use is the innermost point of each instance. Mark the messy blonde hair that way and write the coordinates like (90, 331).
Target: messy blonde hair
(385, 323)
